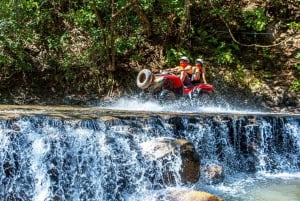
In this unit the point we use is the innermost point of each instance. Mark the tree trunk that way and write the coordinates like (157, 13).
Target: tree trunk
(112, 58)
(102, 26)
(109, 40)
(144, 18)
(184, 26)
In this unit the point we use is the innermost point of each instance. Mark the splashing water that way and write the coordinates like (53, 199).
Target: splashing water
(179, 106)
(136, 105)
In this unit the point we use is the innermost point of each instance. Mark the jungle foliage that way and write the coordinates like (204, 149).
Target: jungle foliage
(86, 46)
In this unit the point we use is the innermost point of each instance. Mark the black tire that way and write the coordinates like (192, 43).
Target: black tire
(144, 79)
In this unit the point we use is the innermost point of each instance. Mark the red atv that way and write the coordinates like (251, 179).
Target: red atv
(167, 86)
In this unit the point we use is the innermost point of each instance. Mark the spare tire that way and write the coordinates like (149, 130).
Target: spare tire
(144, 79)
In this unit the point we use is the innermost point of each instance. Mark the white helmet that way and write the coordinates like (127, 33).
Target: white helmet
(184, 58)
(200, 61)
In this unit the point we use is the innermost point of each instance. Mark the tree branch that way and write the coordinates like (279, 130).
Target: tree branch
(123, 8)
(242, 44)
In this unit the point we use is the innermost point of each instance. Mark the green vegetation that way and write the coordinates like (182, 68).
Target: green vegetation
(295, 86)
(256, 19)
(297, 65)
(94, 47)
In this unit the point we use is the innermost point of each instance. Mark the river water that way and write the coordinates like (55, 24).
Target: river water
(80, 153)
(264, 185)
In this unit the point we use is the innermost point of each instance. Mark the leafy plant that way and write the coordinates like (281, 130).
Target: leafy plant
(297, 65)
(224, 54)
(295, 86)
(174, 55)
(238, 74)
(256, 19)
(294, 25)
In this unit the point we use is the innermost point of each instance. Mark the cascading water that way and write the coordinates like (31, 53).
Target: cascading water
(101, 158)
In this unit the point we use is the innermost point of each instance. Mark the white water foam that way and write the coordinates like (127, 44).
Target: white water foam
(176, 106)
(283, 175)
(42, 183)
(40, 147)
(135, 105)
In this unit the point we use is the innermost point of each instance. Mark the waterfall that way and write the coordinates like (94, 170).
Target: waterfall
(238, 142)
(44, 157)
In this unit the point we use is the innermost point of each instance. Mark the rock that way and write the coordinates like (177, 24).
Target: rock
(212, 173)
(115, 125)
(161, 148)
(157, 149)
(190, 162)
(190, 195)
(16, 127)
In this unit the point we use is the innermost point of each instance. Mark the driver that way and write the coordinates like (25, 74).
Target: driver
(186, 71)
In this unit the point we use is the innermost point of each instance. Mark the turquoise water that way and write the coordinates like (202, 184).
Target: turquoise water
(276, 187)
(277, 190)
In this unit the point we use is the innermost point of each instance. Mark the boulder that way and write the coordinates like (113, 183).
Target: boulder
(161, 148)
(212, 173)
(190, 171)
(190, 195)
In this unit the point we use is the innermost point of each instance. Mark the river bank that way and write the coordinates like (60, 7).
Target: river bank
(273, 93)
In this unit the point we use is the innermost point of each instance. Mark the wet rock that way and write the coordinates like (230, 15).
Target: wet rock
(190, 162)
(109, 120)
(158, 148)
(16, 127)
(212, 173)
(117, 126)
(9, 169)
(162, 148)
(188, 195)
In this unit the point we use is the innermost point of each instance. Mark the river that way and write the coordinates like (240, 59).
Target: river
(93, 153)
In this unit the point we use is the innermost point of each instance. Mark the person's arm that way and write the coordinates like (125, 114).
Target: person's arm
(188, 68)
(172, 70)
(203, 75)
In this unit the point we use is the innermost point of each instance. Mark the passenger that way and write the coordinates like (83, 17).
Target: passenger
(198, 72)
